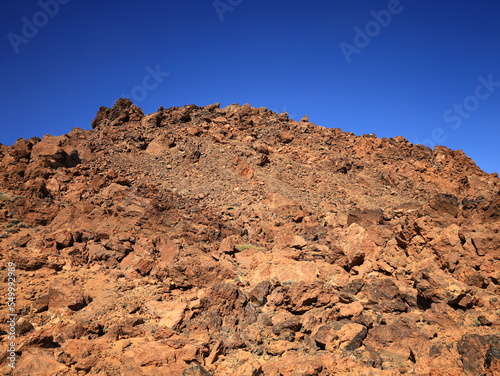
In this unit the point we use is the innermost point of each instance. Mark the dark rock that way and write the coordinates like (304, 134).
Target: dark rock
(294, 324)
(195, 369)
(122, 112)
(260, 292)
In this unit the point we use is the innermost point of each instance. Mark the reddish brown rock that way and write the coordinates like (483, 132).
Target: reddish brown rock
(36, 361)
(122, 112)
(64, 293)
(237, 241)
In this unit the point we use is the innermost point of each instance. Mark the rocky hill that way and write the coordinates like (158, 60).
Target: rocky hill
(235, 241)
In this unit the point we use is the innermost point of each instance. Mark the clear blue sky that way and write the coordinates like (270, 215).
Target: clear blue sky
(430, 73)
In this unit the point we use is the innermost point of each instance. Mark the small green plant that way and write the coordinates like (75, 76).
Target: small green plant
(244, 247)
(5, 197)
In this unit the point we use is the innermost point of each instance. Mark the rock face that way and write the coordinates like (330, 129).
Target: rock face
(236, 241)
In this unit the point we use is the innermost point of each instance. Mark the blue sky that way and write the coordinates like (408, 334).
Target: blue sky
(424, 69)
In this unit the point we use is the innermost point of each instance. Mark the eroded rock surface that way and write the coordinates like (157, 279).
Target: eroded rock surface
(236, 241)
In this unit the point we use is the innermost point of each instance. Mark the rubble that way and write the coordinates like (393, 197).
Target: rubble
(237, 241)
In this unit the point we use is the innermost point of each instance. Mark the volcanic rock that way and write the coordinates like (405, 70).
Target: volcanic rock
(237, 241)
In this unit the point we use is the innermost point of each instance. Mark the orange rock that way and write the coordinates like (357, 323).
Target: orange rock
(236, 241)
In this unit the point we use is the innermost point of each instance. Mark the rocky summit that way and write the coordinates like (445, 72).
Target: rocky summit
(236, 241)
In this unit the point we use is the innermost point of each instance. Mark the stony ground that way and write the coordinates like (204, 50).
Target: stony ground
(201, 241)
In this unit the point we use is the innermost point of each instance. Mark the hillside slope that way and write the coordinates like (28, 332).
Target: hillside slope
(236, 241)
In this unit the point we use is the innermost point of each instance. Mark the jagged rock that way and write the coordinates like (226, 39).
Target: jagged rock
(66, 294)
(347, 336)
(260, 292)
(123, 111)
(292, 324)
(351, 336)
(350, 310)
(237, 241)
(382, 294)
(480, 354)
(436, 286)
(195, 369)
(36, 361)
(286, 136)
